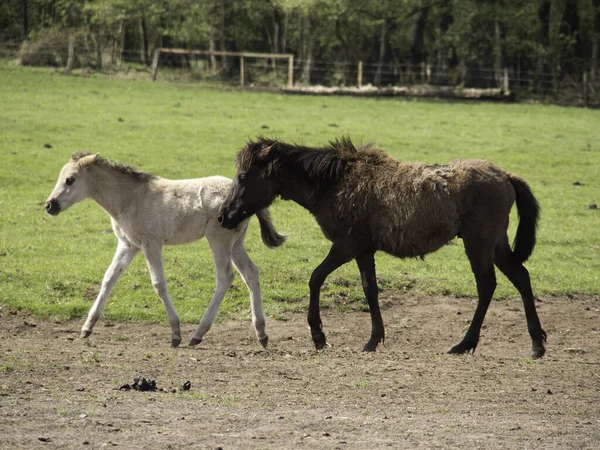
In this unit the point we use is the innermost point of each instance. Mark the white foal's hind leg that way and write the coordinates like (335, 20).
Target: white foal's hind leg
(123, 257)
(153, 254)
(250, 275)
(220, 241)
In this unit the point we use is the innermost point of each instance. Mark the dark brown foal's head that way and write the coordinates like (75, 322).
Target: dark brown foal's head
(253, 189)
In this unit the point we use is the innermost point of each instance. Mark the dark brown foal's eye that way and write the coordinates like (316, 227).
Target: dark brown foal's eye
(69, 181)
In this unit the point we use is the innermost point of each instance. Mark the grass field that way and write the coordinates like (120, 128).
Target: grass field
(52, 266)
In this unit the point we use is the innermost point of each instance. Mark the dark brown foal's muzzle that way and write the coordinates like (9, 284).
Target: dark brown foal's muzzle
(227, 219)
(52, 207)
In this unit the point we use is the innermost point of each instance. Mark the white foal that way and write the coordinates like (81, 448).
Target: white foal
(148, 212)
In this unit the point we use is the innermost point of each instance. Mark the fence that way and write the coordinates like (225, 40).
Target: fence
(241, 55)
(265, 70)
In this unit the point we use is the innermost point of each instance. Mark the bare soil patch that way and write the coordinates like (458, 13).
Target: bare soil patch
(59, 391)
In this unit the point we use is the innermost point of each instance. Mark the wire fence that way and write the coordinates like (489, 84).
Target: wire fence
(579, 87)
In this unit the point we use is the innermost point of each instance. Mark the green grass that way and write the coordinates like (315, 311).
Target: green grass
(51, 266)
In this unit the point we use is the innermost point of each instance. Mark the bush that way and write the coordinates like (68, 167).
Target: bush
(48, 47)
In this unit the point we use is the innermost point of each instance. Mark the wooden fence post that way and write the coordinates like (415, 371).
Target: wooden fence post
(505, 87)
(242, 74)
(291, 71)
(154, 70)
(359, 80)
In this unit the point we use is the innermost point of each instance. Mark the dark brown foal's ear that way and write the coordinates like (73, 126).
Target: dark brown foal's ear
(88, 160)
(264, 152)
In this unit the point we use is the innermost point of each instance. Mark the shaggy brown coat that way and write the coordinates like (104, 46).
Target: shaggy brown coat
(366, 201)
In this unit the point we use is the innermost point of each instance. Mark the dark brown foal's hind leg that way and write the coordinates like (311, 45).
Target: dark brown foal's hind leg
(485, 277)
(519, 277)
(336, 257)
(366, 265)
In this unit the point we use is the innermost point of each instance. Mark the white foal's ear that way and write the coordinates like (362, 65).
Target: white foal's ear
(88, 160)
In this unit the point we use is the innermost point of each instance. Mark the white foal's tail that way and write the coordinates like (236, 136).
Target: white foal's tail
(270, 237)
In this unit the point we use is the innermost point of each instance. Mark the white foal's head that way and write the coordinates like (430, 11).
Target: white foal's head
(71, 186)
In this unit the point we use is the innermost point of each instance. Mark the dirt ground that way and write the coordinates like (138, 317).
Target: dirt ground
(59, 391)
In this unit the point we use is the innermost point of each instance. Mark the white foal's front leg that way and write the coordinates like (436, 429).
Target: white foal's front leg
(250, 275)
(123, 257)
(153, 254)
(220, 241)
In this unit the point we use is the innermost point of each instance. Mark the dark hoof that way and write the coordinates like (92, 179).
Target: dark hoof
(319, 340)
(264, 341)
(463, 347)
(538, 351)
(371, 346)
(86, 334)
(175, 343)
(193, 342)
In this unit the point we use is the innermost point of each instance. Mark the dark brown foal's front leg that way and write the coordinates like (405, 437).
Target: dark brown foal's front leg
(366, 265)
(336, 257)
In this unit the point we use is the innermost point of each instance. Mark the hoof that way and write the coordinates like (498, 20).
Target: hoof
(320, 340)
(85, 334)
(264, 341)
(193, 342)
(463, 347)
(370, 347)
(538, 351)
(175, 342)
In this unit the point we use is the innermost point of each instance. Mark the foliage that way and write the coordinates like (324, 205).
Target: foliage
(52, 266)
(544, 37)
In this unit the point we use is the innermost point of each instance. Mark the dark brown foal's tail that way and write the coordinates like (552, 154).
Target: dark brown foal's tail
(269, 234)
(529, 212)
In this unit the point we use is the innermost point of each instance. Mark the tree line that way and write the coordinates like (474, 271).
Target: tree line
(540, 41)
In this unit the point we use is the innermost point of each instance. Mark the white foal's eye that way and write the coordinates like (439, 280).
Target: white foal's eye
(69, 181)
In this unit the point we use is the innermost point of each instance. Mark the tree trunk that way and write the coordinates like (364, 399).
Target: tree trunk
(119, 44)
(498, 57)
(212, 46)
(98, 45)
(307, 51)
(446, 57)
(572, 54)
(595, 41)
(144, 55)
(377, 78)
(417, 39)
(71, 57)
(229, 63)
(542, 68)
(276, 28)
(284, 34)
(25, 19)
